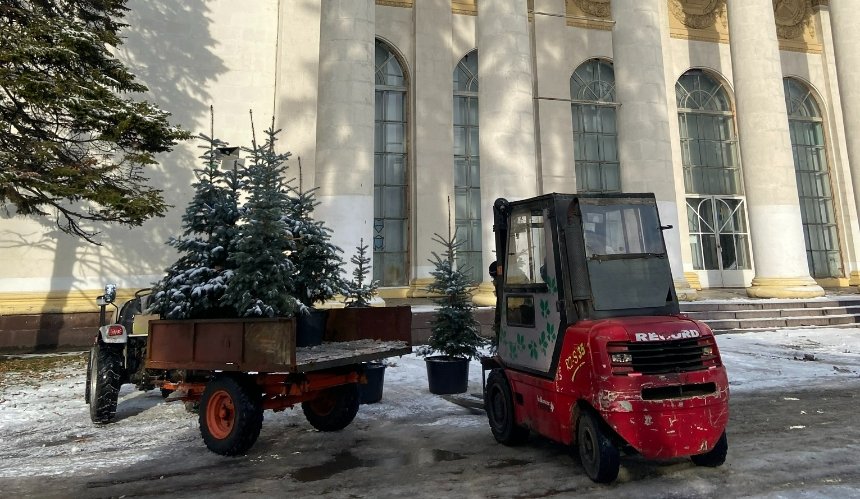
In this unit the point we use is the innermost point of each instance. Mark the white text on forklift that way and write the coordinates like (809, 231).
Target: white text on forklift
(686, 333)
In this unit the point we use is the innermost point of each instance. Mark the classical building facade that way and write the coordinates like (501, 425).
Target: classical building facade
(742, 116)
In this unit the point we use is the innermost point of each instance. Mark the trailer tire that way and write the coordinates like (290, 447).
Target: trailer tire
(716, 456)
(600, 457)
(334, 408)
(231, 415)
(104, 380)
(499, 404)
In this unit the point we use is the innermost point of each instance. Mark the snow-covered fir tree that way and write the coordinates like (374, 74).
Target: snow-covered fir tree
(359, 293)
(454, 330)
(194, 285)
(316, 260)
(262, 282)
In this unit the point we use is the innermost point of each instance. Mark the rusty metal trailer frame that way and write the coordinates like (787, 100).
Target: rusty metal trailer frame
(270, 371)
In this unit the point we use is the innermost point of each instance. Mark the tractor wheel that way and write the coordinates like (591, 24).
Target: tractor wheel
(499, 403)
(165, 392)
(716, 456)
(90, 361)
(104, 380)
(333, 408)
(598, 454)
(231, 415)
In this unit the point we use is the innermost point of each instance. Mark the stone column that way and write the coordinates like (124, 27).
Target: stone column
(506, 115)
(345, 126)
(846, 40)
(644, 119)
(776, 228)
(433, 147)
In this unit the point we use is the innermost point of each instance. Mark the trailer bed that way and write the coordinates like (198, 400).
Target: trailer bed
(269, 345)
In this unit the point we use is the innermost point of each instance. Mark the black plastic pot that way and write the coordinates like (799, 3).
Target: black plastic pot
(310, 328)
(447, 374)
(371, 393)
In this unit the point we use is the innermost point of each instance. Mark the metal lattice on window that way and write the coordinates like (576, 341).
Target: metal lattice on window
(595, 135)
(467, 166)
(813, 180)
(390, 184)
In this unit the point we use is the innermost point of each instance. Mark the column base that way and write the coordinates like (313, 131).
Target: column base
(684, 290)
(418, 288)
(485, 295)
(784, 287)
(693, 280)
(854, 278)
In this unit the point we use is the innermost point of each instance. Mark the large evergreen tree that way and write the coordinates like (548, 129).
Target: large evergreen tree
(74, 144)
(263, 280)
(195, 284)
(316, 260)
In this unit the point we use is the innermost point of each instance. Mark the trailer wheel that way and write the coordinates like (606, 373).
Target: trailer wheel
(231, 415)
(499, 404)
(333, 408)
(104, 380)
(598, 454)
(716, 456)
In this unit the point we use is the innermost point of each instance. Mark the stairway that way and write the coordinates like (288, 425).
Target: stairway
(748, 315)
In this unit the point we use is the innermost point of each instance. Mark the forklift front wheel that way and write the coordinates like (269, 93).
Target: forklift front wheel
(599, 456)
(499, 404)
(716, 456)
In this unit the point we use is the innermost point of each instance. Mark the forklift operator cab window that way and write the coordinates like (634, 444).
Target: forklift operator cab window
(621, 230)
(526, 259)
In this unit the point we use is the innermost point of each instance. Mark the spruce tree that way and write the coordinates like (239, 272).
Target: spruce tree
(316, 260)
(75, 143)
(195, 283)
(358, 293)
(454, 330)
(262, 282)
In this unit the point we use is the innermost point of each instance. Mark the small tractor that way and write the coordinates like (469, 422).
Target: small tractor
(592, 348)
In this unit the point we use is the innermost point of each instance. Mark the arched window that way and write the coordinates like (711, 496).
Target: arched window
(813, 180)
(467, 167)
(390, 184)
(719, 236)
(595, 136)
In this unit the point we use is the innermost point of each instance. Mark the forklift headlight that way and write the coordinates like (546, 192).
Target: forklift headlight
(707, 351)
(621, 358)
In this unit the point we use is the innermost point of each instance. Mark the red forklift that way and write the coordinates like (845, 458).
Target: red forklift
(592, 348)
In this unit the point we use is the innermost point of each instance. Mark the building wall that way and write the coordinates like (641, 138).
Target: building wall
(264, 56)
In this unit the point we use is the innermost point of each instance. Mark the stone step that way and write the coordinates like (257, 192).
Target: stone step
(733, 305)
(783, 322)
(721, 332)
(773, 313)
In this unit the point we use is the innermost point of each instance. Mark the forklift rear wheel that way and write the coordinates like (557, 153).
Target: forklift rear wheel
(499, 404)
(231, 415)
(104, 380)
(333, 408)
(598, 454)
(716, 456)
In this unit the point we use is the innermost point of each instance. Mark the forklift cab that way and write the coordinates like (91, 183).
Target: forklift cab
(566, 258)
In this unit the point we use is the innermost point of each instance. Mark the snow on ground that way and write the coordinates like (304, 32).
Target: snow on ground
(45, 427)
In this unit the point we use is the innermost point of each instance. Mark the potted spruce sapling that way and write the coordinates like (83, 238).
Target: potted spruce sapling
(317, 263)
(359, 293)
(454, 332)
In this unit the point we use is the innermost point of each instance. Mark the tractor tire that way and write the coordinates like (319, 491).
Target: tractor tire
(600, 457)
(104, 380)
(231, 415)
(716, 456)
(334, 408)
(499, 404)
(165, 392)
(90, 361)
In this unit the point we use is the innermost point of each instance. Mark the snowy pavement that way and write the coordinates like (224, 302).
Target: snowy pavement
(45, 430)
